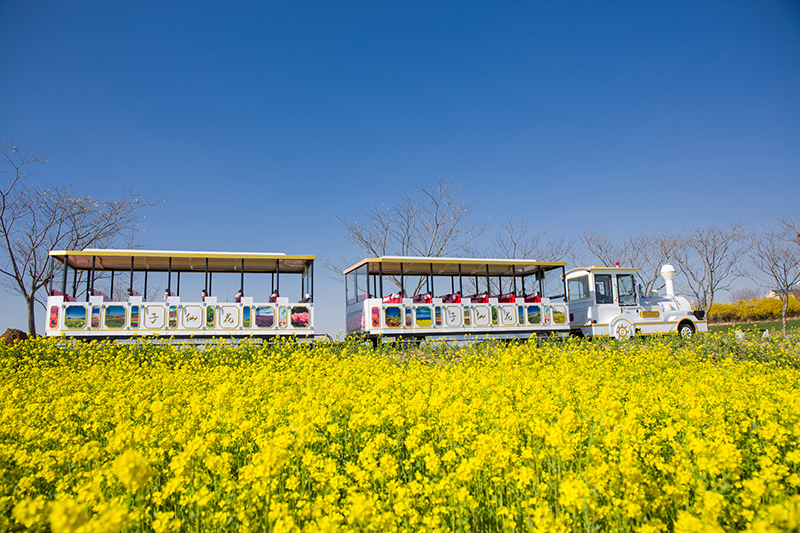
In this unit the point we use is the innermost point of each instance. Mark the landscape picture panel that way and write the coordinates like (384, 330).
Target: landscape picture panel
(75, 317)
(393, 316)
(115, 316)
(135, 316)
(265, 317)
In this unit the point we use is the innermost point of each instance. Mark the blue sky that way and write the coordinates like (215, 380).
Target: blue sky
(261, 121)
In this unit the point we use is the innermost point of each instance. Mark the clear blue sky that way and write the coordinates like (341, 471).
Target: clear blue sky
(260, 121)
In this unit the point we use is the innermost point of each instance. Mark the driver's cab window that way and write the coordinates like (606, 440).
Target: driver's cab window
(603, 289)
(578, 288)
(626, 287)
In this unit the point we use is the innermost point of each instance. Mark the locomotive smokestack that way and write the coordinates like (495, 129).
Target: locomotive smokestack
(668, 272)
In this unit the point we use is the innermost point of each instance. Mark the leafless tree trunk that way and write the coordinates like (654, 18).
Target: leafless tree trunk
(776, 254)
(710, 258)
(34, 221)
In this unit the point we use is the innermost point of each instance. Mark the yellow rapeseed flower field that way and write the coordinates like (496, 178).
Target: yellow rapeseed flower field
(650, 435)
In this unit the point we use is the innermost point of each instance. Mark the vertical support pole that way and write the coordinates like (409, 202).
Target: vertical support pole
(541, 284)
(241, 284)
(64, 277)
(380, 274)
(431, 288)
(112, 285)
(514, 275)
(145, 286)
(524, 294)
(272, 288)
(402, 285)
(75, 283)
(169, 277)
(130, 287)
(90, 281)
(460, 282)
(210, 282)
(205, 285)
(311, 266)
(178, 290)
(278, 275)
(488, 284)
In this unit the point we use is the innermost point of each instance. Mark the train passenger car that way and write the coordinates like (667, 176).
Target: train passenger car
(455, 298)
(605, 301)
(79, 309)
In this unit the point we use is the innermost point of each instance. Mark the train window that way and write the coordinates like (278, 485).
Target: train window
(603, 289)
(553, 284)
(626, 287)
(578, 288)
(356, 285)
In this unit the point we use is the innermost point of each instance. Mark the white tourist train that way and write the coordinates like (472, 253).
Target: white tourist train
(386, 297)
(126, 312)
(605, 301)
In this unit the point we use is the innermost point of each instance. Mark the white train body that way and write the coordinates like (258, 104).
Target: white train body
(605, 301)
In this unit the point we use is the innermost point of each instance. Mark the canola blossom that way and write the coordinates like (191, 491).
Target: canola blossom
(649, 435)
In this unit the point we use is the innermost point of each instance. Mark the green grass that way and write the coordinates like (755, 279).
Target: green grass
(745, 326)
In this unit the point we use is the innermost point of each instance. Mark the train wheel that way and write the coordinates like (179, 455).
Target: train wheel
(621, 329)
(686, 330)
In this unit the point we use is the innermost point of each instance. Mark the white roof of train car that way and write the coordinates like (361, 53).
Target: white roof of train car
(158, 260)
(448, 266)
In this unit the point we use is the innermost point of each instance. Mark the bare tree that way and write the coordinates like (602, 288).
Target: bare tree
(34, 221)
(431, 221)
(745, 294)
(776, 254)
(518, 239)
(710, 257)
(605, 249)
(646, 252)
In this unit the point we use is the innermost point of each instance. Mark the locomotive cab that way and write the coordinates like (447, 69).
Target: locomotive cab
(604, 301)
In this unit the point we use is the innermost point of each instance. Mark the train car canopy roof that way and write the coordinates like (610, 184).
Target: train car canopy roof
(159, 261)
(449, 266)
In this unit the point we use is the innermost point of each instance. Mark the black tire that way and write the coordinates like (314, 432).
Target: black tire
(686, 330)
